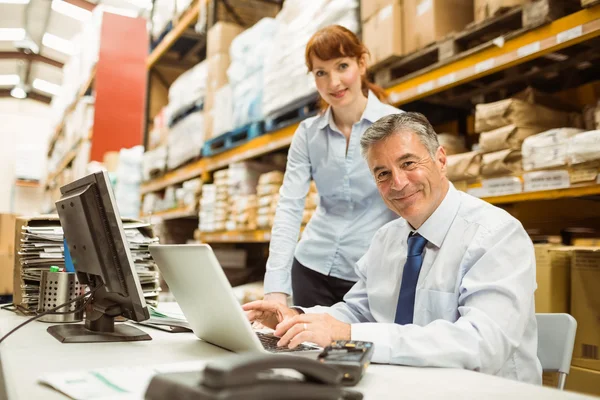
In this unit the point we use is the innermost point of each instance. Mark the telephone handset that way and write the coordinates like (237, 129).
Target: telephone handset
(249, 376)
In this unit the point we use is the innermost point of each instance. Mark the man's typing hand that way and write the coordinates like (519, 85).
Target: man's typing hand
(321, 329)
(268, 313)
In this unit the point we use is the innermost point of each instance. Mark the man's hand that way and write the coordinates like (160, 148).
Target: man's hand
(321, 329)
(268, 313)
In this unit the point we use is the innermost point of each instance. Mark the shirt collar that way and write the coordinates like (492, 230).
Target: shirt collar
(371, 112)
(435, 228)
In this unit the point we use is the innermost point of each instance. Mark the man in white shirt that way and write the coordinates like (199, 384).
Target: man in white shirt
(450, 284)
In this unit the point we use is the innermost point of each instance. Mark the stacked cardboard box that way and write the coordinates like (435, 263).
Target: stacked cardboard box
(268, 197)
(485, 9)
(7, 253)
(242, 213)
(219, 39)
(208, 201)
(553, 272)
(387, 24)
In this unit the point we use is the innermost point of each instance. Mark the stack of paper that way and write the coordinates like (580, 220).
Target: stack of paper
(140, 236)
(41, 246)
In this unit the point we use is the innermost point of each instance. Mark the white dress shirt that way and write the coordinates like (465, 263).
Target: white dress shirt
(350, 209)
(474, 305)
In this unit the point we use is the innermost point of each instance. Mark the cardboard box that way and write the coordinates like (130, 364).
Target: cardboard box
(6, 273)
(585, 306)
(553, 267)
(485, 9)
(382, 34)
(217, 72)
(368, 8)
(220, 36)
(426, 21)
(7, 233)
(583, 380)
(208, 124)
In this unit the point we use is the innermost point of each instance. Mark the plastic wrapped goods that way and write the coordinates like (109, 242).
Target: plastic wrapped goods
(185, 140)
(286, 78)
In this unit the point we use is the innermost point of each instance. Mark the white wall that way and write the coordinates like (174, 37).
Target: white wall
(24, 124)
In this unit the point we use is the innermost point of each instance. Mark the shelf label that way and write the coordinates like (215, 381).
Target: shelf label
(485, 65)
(425, 87)
(546, 180)
(528, 49)
(447, 79)
(501, 186)
(569, 34)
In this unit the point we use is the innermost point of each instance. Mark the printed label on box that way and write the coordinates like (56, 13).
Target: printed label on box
(546, 180)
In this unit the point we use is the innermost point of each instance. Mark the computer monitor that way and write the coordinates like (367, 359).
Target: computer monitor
(100, 253)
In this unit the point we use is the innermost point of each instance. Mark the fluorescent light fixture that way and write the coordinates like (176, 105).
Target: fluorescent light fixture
(78, 13)
(18, 92)
(11, 34)
(14, 1)
(46, 86)
(59, 44)
(9, 80)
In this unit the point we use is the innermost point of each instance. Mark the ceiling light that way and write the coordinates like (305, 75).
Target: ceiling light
(14, 1)
(46, 86)
(18, 92)
(9, 80)
(11, 34)
(59, 44)
(62, 7)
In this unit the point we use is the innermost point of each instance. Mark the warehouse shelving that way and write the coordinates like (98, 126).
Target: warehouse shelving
(567, 32)
(82, 91)
(564, 32)
(173, 214)
(572, 192)
(258, 236)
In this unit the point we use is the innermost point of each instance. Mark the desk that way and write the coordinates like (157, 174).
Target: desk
(31, 352)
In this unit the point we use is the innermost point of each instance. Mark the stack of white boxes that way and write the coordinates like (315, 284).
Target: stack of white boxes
(242, 213)
(268, 197)
(208, 201)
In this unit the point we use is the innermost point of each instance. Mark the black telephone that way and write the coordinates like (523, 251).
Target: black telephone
(249, 376)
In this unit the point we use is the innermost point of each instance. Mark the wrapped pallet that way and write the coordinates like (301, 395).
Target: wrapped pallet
(584, 147)
(248, 51)
(185, 140)
(188, 89)
(547, 149)
(285, 76)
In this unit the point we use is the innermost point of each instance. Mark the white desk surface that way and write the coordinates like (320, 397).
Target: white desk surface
(32, 352)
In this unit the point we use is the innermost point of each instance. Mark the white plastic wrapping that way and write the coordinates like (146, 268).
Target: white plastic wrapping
(223, 111)
(584, 147)
(547, 149)
(286, 78)
(187, 89)
(128, 180)
(185, 140)
(155, 161)
(245, 73)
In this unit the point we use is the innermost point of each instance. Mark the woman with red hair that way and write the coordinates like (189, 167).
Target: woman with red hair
(319, 269)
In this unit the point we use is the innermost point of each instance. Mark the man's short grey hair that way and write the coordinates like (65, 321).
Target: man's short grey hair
(395, 123)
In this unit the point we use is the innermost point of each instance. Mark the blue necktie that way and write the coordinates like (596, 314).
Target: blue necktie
(410, 275)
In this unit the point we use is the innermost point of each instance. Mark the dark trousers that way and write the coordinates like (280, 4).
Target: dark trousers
(314, 289)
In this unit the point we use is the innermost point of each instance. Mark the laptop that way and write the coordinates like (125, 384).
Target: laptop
(206, 298)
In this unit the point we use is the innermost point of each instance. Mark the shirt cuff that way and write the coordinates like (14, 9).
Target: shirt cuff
(278, 280)
(377, 333)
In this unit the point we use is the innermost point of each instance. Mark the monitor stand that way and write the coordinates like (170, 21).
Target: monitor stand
(99, 327)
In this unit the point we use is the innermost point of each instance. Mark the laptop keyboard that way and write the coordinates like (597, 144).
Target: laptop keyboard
(269, 342)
